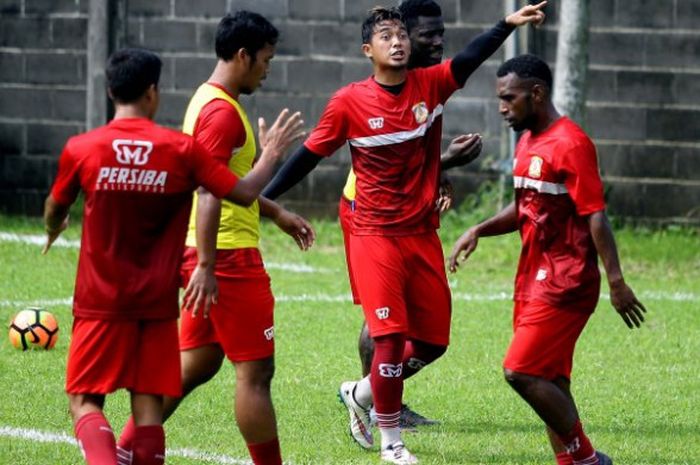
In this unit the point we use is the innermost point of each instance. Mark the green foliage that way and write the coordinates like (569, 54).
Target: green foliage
(638, 391)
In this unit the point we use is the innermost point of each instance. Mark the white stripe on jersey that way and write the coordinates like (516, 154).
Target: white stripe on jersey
(397, 137)
(543, 187)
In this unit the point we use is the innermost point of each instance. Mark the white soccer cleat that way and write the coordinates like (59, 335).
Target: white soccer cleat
(398, 454)
(359, 416)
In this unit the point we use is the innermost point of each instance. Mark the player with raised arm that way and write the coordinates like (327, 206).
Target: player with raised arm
(425, 28)
(222, 244)
(389, 121)
(559, 211)
(138, 180)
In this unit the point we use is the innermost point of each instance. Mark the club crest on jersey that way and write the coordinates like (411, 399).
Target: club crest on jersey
(382, 313)
(132, 152)
(376, 123)
(535, 170)
(420, 111)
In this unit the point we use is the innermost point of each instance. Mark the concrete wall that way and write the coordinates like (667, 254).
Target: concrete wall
(643, 107)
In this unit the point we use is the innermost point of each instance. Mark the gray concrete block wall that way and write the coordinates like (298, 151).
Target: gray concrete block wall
(42, 94)
(643, 107)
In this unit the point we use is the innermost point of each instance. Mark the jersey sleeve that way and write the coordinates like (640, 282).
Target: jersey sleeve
(67, 184)
(209, 173)
(331, 131)
(579, 166)
(442, 79)
(219, 130)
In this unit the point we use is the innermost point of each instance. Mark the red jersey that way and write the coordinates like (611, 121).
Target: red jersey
(557, 185)
(395, 146)
(138, 180)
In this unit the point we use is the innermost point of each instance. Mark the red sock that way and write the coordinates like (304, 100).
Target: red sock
(579, 446)
(266, 453)
(387, 378)
(149, 445)
(417, 355)
(564, 458)
(125, 445)
(96, 439)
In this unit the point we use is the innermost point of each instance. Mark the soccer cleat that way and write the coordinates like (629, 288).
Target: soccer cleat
(411, 419)
(398, 454)
(603, 459)
(359, 416)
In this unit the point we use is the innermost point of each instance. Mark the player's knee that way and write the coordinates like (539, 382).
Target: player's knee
(256, 374)
(517, 380)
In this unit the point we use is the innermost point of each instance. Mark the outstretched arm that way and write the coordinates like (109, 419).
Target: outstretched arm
(301, 163)
(504, 222)
(486, 44)
(621, 295)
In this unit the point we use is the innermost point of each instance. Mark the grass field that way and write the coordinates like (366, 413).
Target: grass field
(638, 391)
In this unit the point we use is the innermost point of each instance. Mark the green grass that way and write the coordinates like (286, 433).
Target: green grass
(638, 391)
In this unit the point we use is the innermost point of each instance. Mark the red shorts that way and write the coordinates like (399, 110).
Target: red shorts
(544, 338)
(242, 323)
(345, 217)
(403, 286)
(139, 355)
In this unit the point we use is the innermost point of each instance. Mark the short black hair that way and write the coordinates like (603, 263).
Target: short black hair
(527, 67)
(130, 72)
(412, 9)
(243, 29)
(375, 16)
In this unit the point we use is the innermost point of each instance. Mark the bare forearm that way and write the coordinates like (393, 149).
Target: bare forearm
(207, 227)
(604, 242)
(504, 222)
(247, 189)
(269, 208)
(54, 214)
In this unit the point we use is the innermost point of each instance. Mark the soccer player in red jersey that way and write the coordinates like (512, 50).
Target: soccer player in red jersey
(389, 121)
(425, 28)
(138, 180)
(559, 211)
(222, 245)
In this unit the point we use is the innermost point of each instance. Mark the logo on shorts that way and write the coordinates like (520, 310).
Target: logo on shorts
(415, 363)
(269, 333)
(376, 123)
(535, 170)
(541, 275)
(382, 313)
(132, 152)
(420, 112)
(389, 370)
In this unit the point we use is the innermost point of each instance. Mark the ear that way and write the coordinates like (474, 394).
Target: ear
(367, 50)
(242, 55)
(539, 93)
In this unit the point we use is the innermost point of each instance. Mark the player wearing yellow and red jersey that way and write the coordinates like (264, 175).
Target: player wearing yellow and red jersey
(559, 212)
(138, 180)
(222, 256)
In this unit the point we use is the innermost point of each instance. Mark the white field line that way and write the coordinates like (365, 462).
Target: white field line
(344, 298)
(62, 438)
(39, 240)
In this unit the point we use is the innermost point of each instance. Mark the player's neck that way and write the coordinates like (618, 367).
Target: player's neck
(545, 120)
(123, 111)
(389, 76)
(223, 76)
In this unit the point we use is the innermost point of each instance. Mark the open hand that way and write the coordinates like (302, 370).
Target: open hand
(278, 137)
(297, 227)
(462, 150)
(202, 291)
(52, 235)
(463, 248)
(625, 302)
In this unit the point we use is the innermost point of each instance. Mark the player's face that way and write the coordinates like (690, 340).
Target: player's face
(390, 46)
(257, 70)
(515, 102)
(427, 41)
